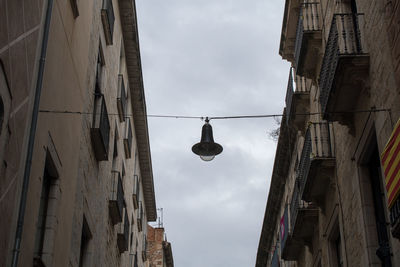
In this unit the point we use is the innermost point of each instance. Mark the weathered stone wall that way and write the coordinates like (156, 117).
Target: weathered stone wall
(93, 193)
(347, 210)
(83, 184)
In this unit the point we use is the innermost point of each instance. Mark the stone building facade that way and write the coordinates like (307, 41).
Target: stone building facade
(328, 204)
(76, 182)
(159, 251)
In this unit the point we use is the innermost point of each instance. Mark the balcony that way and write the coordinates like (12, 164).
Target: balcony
(303, 218)
(108, 18)
(136, 190)
(140, 217)
(128, 138)
(317, 162)
(144, 248)
(297, 100)
(121, 99)
(308, 40)
(290, 248)
(345, 67)
(100, 131)
(300, 229)
(123, 234)
(116, 203)
(395, 218)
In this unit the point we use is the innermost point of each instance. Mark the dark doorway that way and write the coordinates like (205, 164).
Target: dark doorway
(375, 174)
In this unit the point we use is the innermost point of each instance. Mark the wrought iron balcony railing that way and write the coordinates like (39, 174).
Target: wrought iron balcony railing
(308, 39)
(395, 218)
(345, 65)
(121, 99)
(108, 18)
(116, 202)
(136, 191)
(140, 217)
(144, 248)
(317, 160)
(303, 217)
(123, 234)
(297, 99)
(128, 138)
(100, 131)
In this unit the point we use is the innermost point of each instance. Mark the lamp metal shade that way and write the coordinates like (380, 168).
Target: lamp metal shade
(207, 149)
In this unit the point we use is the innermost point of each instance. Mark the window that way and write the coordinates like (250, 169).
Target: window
(85, 238)
(374, 168)
(43, 205)
(74, 6)
(49, 187)
(99, 70)
(100, 131)
(373, 201)
(115, 151)
(335, 246)
(107, 17)
(132, 222)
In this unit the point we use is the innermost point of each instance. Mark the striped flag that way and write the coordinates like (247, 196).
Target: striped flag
(390, 158)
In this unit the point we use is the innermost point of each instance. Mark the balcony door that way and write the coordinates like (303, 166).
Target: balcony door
(375, 176)
(374, 204)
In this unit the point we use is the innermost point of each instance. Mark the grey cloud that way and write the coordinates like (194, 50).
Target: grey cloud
(212, 58)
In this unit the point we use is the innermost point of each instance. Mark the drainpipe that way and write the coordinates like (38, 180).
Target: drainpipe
(31, 140)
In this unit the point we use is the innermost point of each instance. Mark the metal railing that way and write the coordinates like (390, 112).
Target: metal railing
(317, 144)
(108, 20)
(294, 204)
(297, 204)
(140, 217)
(309, 20)
(121, 99)
(135, 191)
(123, 233)
(126, 228)
(100, 130)
(104, 124)
(344, 39)
(144, 248)
(128, 138)
(117, 193)
(296, 84)
(395, 213)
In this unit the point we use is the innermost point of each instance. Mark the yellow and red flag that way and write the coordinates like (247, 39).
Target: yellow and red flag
(390, 158)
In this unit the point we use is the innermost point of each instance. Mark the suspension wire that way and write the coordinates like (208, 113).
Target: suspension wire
(218, 117)
(176, 117)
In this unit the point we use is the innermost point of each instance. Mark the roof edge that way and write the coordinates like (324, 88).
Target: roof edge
(277, 186)
(135, 77)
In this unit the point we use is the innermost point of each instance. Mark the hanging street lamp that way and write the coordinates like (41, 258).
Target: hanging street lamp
(207, 149)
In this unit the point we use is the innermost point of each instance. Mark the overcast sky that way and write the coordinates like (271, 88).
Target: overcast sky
(212, 58)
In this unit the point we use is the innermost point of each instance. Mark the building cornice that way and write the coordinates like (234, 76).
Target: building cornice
(130, 34)
(289, 27)
(286, 140)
